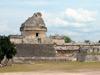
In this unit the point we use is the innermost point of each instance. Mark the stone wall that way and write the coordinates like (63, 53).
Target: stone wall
(16, 40)
(88, 58)
(92, 58)
(38, 50)
(31, 59)
(44, 52)
(67, 52)
(58, 41)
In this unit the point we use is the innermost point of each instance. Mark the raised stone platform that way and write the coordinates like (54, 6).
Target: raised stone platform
(38, 50)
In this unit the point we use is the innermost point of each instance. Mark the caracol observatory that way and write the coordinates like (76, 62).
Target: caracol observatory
(33, 31)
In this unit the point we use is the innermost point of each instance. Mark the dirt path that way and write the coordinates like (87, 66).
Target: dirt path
(52, 73)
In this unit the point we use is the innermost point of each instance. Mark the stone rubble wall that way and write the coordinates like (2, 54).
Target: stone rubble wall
(31, 59)
(92, 58)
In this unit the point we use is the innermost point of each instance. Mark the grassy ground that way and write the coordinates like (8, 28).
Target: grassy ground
(52, 66)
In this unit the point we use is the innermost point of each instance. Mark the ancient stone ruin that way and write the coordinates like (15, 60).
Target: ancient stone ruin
(33, 43)
(33, 31)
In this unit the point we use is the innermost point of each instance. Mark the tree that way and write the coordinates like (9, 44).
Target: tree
(87, 41)
(7, 49)
(98, 41)
(1, 55)
(67, 39)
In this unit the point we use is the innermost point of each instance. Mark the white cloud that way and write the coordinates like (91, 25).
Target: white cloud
(71, 33)
(81, 15)
(71, 17)
(54, 20)
(84, 30)
(75, 23)
(70, 12)
(57, 22)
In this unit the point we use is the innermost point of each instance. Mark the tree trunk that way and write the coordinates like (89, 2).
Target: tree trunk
(1, 65)
(0, 61)
(6, 62)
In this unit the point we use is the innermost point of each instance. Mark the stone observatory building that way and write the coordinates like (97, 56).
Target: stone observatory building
(33, 31)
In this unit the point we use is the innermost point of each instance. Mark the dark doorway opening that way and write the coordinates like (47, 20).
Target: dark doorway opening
(37, 34)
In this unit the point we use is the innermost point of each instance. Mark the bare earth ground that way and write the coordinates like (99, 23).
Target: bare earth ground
(53, 73)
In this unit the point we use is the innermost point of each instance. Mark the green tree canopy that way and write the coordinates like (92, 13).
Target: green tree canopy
(67, 39)
(7, 49)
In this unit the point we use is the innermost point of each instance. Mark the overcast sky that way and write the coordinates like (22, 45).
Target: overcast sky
(79, 19)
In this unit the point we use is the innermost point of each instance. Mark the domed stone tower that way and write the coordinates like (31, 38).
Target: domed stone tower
(33, 29)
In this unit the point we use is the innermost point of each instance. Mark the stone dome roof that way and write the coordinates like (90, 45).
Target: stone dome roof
(34, 21)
